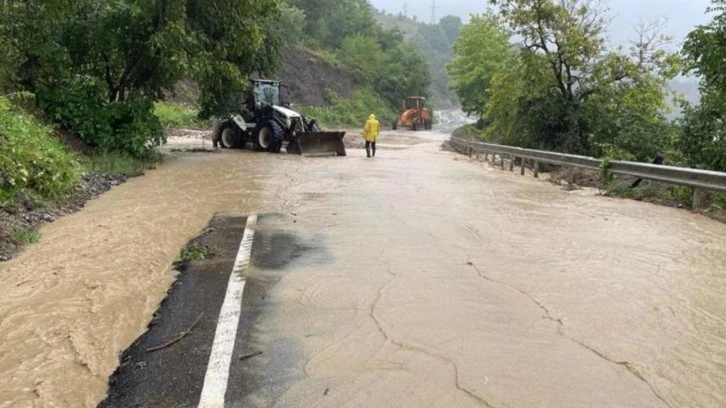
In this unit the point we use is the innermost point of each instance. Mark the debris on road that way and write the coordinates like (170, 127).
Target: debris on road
(183, 334)
(249, 356)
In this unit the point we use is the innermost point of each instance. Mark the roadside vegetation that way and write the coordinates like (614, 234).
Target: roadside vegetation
(32, 161)
(562, 88)
(196, 252)
(179, 116)
(84, 85)
(351, 111)
(97, 68)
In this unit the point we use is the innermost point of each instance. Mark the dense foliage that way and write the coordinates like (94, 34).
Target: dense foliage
(380, 60)
(32, 161)
(703, 137)
(329, 22)
(481, 50)
(562, 88)
(97, 67)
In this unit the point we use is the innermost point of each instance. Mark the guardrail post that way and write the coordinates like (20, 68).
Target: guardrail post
(486, 156)
(511, 162)
(471, 151)
(699, 198)
(523, 162)
(536, 169)
(501, 158)
(571, 175)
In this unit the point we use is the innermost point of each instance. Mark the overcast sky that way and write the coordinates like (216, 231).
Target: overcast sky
(681, 15)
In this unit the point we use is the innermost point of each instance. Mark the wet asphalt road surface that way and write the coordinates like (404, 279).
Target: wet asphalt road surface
(166, 366)
(419, 278)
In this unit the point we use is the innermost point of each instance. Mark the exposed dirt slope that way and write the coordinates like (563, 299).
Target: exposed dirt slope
(310, 79)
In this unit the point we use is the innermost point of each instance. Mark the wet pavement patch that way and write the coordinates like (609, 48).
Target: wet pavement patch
(165, 367)
(277, 248)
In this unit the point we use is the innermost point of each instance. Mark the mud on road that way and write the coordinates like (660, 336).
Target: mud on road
(446, 283)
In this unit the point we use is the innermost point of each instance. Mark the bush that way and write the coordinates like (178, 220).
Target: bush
(32, 161)
(179, 116)
(128, 127)
(196, 252)
(353, 111)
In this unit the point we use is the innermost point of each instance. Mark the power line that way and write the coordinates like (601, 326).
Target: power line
(433, 12)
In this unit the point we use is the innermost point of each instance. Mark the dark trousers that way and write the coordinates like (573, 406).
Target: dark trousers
(368, 148)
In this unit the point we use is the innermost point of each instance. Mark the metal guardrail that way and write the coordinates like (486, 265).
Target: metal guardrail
(699, 180)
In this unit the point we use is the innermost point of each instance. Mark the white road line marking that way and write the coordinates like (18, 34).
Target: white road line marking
(215, 380)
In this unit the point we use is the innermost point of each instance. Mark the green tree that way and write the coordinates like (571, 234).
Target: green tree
(97, 67)
(330, 21)
(363, 56)
(292, 22)
(404, 73)
(481, 50)
(703, 132)
(580, 96)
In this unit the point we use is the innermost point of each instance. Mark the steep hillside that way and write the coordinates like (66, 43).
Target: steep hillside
(311, 80)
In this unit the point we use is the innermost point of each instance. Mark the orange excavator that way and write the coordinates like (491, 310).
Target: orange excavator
(415, 114)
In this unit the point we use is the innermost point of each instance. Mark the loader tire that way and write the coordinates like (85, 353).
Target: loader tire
(229, 136)
(276, 142)
(269, 138)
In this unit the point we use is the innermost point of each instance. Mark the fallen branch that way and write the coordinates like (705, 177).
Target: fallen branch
(177, 339)
(248, 356)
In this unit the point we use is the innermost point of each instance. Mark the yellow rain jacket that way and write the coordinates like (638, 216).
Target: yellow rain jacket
(370, 132)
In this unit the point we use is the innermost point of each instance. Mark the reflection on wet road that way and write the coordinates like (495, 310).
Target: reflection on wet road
(450, 284)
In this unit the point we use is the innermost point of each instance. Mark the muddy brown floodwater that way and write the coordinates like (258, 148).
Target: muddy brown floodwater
(451, 284)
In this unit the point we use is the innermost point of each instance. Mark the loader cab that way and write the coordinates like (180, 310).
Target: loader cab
(266, 93)
(260, 99)
(414, 102)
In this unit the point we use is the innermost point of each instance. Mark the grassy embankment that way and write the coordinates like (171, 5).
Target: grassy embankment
(33, 162)
(38, 171)
(178, 116)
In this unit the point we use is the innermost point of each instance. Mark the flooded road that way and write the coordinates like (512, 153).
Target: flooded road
(448, 284)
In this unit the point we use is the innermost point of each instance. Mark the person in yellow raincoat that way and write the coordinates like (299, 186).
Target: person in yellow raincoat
(370, 134)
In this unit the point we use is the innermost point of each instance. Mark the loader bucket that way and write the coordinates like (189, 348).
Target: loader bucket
(317, 144)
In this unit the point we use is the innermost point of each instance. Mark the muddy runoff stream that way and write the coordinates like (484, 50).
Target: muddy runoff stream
(450, 284)
(71, 303)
